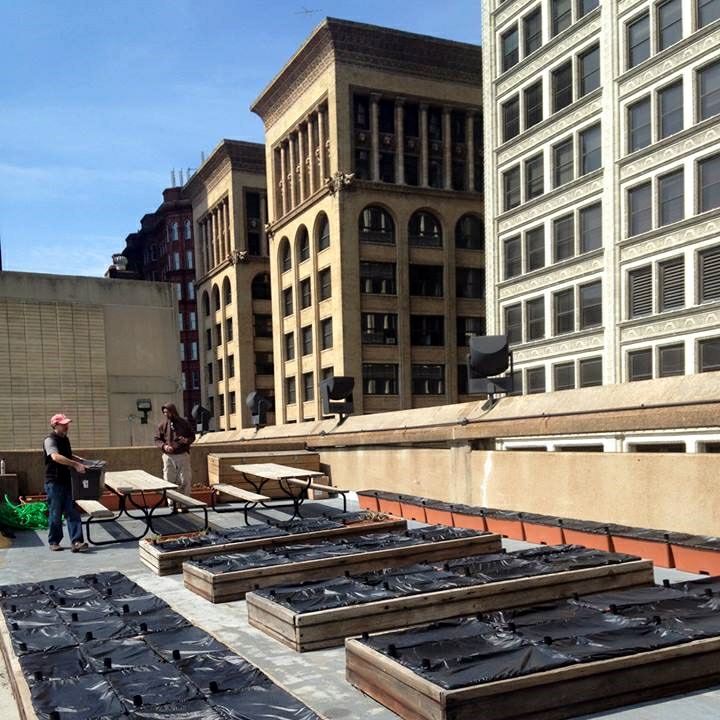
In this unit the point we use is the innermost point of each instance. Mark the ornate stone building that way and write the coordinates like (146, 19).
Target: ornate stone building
(374, 157)
(603, 198)
(229, 209)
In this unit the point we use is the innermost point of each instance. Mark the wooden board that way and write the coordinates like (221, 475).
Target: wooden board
(328, 628)
(170, 563)
(552, 695)
(224, 587)
(14, 673)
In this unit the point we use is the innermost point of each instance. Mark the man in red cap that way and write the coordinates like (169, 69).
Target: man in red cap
(59, 458)
(174, 436)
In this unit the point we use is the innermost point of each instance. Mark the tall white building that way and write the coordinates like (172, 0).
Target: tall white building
(603, 188)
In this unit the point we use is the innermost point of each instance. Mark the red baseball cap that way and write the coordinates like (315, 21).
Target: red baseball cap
(59, 419)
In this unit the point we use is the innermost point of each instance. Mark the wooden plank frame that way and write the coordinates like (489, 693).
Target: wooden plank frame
(328, 628)
(224, 587)
(18, 684)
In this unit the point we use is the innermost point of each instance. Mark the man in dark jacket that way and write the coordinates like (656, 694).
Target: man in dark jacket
(59, 458)
(174, 436)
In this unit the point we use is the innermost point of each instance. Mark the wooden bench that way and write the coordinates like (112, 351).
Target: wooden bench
(95, 509)
(248, 499)
(319, 487)
(187, 502)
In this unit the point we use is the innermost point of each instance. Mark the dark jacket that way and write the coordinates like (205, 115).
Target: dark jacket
(177, 432)
(60, 444)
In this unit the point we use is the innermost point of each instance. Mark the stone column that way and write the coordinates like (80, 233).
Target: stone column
(322, 131)
(264, 248)
(399, 141)
(311, 155)
(283, 187)
(229, 244)
(423, 145)
(447, 149)
(374, 137)
(470, 150)
(301, 163)
(292, 153)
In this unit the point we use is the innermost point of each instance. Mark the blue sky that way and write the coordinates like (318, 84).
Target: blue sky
(100, 100)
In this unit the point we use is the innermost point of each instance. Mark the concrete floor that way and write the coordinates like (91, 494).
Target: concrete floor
(317, 678)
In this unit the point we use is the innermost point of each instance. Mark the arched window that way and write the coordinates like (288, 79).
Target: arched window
(303, 244)
(323, 236)
(286, 257)
(376, 225)
(260, 288)
(174, 236)
(470, 233)
(206, 303)
(227, 292)
(216, 297)
(424, 230)
(188, 230)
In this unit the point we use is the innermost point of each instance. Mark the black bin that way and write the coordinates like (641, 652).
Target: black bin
(90, 485)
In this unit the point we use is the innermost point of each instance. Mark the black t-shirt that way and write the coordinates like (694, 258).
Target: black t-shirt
(60, 444)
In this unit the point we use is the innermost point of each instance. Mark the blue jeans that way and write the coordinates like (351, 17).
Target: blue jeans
(60, 502)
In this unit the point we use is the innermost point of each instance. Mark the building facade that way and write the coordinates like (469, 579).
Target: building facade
(603, 192)
(374, 160)
(229, 209)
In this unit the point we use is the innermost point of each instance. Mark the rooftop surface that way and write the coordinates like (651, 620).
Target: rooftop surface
(317, 678)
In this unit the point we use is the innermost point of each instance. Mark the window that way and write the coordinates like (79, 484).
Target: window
(221, 405)
(513, 323)
(228, 329)
(305, 293)
(535, 248)
(231, 366)
(564, 312)
(709, 281)
(509, 48)
(307, 340)
(308, 386)
(468, 327)
(533, 104)
(470, 282)
(669, 22)
(511, 188)
(590, 228)
(590, 372)
(511, 257)
(290, 390)
(585, 6)
(709, 355)
(534, 180)
(639, 209)
(260, 287)
(263, 325)
(326, 334)
(216, 297)
(638, 40)
(589, 70)
(562, 90)
(469, 233)
(427, 330)
(175, 261)
(380, 379)
(640, 365)
(671, 360)
(424, 230)
(208, 339)
(324, 234)
(640, 291)
(709, 90)
(285, 254)
(590, 305)
(564, 376)
(227, 292)
(377, 278)
(219, 370)
(189, 259)
(535, 380)
(303, 245)
(639, 125)
(560, 15)
(563, 238)
(375, 225)
(671, 197)
(174, 232)
(194, 350)
(206, 304)
(707, 11)
(232, 402)
(218, 334)
(426, 280)
(195, 380)
(511, 118)
(590, 150)
(670, 107)
(324, 281)
(290, 346)
(532, 31)
(190, 287)
(264, 364)
(709, 183)
(187, 230)
(209, 373)
(535, 319)
(287, 302)
(563, 170)
(428, 379)
(379, 328)
(181, 322)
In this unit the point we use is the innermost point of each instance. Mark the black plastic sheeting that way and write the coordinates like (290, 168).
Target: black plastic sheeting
(328, 548)
(512, 643)
(100, 647)
(433, 577)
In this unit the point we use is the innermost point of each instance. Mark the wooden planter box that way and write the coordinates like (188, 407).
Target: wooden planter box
(303, 631)
(413, 508)
(464, 516)
(589, 534)
(170, 563)
(651, 544)
(367, 500)
(224, 587)
(504, 522)
(696, 554)
(438, 513)
(542, 529)
(389, 503)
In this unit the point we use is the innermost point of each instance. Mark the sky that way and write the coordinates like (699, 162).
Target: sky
(101, 100)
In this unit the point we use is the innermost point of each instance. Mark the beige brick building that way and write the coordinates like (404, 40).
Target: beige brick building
(233, 283)
(373, 147)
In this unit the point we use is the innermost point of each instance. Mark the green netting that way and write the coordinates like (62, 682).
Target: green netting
(30, 516)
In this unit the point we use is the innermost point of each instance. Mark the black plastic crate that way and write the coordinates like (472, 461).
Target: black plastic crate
(90, 484)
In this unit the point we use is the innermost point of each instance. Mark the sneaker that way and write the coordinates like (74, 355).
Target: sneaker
(79, 546)
(55, 548)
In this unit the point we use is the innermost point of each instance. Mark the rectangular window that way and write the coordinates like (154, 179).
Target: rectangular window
(535, 319)
(380, 379)
(563, 238)
(535, 248)
(638, 40)
(709, 280)
(220, 369)
(564, 312)
(671, 360)
(181, 322)
(231, 366)
(426, 280)
(325, 284)
(534, 180)
(221, 405)
(562, 90)
(671, 197)
(560, 16)
(511, 118)
(709, 355)
(232, 402)
(670, 107)
(564, 376)
(307, 340)
(640, 365)
(586, 6)
(640, 292)
(326, 332)
(377, 278)
(590, 150)
(511, 188)
(264, 364)
(709, 183)
(511, 256)
(290, 346)
(509, 48)
(532, 31)
(563, 170)
(468, 327)
(210, 373)
(290, 391)
(535, 380)
(379, 328)
(305, 293)
(589, 69)
(669, 21)
(590, 228)
(308, 386)
(591, 305)
(218, 334)
(640, 209)
(590, 372)
(533, 96)
(639, 125)
(513, 323)
(287, 302)
(208, 339)
(707, 11)
(470, 282)
(427, 379)
(709, 90)
(228, 330)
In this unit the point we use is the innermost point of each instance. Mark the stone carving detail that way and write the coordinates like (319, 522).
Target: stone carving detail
(675, 239)
(339, 181)
(560, 347)
(671, 327)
